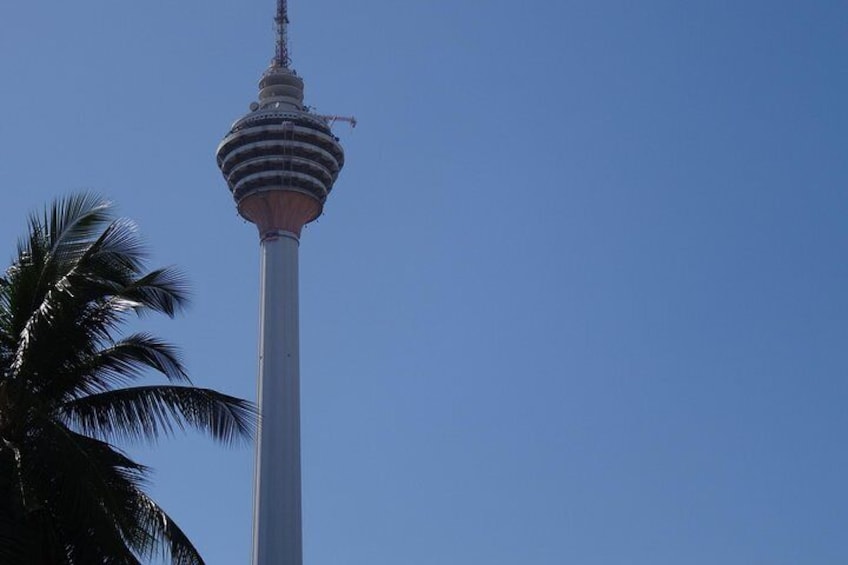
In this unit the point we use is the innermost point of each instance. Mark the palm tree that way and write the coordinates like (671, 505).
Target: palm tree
(68, 389)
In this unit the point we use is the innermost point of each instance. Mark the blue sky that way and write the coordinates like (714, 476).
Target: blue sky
(579, 295)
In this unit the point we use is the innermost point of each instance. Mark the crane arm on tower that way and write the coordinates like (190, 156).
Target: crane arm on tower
(333, 119)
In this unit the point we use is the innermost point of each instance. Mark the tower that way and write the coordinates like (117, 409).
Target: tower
(280, 162)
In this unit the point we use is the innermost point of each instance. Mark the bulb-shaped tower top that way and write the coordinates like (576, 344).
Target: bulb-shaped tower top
(280, 160)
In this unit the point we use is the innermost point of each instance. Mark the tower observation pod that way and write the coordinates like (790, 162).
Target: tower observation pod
(280, 162)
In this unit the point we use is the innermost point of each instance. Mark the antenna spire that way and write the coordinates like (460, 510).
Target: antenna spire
(281, 58)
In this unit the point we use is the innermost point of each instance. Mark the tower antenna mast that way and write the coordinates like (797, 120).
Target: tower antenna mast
(282, 20)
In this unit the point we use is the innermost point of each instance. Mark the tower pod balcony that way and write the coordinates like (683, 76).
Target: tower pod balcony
(280, 150)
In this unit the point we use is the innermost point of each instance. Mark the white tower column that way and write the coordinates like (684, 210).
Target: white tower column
(277, 537)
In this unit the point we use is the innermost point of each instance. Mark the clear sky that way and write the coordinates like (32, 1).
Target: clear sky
(579, 296)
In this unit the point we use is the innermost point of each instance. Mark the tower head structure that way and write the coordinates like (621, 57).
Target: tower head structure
(280, 160)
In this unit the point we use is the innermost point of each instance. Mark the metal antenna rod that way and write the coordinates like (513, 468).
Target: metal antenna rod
(282, 20)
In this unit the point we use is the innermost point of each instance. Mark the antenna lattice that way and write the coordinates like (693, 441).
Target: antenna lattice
(282, 20)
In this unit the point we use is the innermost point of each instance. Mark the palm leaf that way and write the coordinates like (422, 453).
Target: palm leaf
(145, 413)
(119, 364)
(71, 223)
(162, 290)
(14, 544)
(162, 528)
(81, 492)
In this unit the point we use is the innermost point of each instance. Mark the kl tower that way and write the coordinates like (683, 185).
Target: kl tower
(280, 162)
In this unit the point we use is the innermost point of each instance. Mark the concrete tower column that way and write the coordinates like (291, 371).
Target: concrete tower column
(277, 509)
(277, 532)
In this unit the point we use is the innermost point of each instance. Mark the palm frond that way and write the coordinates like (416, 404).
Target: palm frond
(137, 352)
(162, 290)
(82, 492)
(116, 365)
(14, 543)
(54, 277)
(167, 534)
(145, 413)
(71, 223)
(53, 245)
(88, 294)
(118, 249)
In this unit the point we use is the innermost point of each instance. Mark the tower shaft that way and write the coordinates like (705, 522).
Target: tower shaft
(277, 535)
